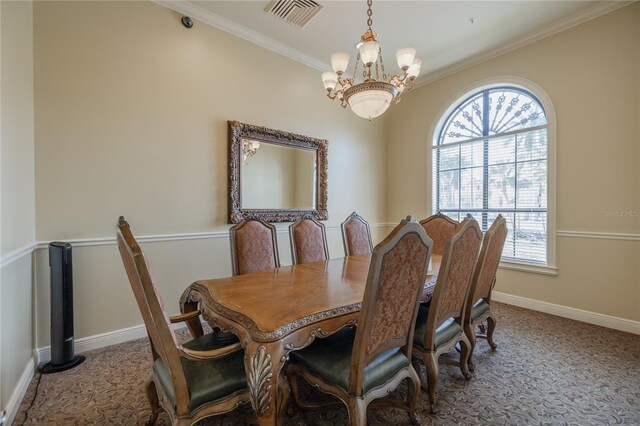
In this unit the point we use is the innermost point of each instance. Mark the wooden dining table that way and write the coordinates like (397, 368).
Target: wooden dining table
(281, 310)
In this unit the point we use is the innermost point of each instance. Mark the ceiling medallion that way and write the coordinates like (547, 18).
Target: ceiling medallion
(371, 96)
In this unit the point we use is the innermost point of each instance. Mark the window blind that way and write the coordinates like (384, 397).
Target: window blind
(491, 158)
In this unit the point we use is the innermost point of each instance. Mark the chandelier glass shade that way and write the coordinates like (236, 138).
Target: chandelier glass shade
(371, 93)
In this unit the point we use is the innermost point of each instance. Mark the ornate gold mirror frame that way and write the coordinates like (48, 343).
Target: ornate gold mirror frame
(239, 131)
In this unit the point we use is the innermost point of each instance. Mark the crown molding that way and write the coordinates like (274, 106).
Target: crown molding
(227, 25)
(203, 15)
(592, 12)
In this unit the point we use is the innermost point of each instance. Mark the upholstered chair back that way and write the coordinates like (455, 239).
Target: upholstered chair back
(163, 340)
(308, 241)
(454, 277)
(356, 236)
(396, 277)
(439, 228)
(487, 264)
(254, 247)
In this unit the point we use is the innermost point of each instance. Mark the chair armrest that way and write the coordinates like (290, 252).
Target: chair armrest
(184, 317)
(207, 355)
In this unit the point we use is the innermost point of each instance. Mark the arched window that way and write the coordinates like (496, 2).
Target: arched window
(490, 157)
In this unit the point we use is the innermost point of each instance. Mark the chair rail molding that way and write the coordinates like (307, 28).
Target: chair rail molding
(598, 235)
(108, 241)
(17, 254)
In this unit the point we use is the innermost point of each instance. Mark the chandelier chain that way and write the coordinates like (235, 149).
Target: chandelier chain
(384, 75)
(369, 13)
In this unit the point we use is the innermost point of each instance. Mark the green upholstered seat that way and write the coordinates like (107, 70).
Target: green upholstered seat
(444, 333)
(479, 308)
(214, 340)
(330, 359)
(210, 380)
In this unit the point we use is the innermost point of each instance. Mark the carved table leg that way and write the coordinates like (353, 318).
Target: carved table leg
(263, 362)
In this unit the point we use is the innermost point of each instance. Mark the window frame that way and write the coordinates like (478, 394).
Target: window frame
(538, 93)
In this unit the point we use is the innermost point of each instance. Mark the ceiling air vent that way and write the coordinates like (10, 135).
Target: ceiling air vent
(295, 12)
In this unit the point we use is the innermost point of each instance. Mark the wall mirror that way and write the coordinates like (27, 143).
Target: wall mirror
(275, 176)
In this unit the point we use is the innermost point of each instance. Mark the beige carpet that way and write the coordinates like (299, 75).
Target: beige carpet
(546, 370)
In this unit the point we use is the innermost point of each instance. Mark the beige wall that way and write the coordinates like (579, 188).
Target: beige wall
(17, 211)
(592, 75)
(130, 118)
(18, 200)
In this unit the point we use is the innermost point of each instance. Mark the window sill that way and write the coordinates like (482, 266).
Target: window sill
(529, 267)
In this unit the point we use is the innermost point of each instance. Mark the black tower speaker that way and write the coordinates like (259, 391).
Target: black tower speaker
(62, 351)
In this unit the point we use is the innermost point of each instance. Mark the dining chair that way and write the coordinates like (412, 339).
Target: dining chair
(190, 381)
(366, 363)
(439, 227)
(439, 327)
(356, 235)
(478, 304)
(254, 247)
(308, 241)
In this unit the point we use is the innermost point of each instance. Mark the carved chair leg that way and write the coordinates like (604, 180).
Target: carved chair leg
(413, 389)
(152, 395)
(431, 361)
(284, 391)
(295, 395)
(357, 412)
(465, 352)
(468, 331)
(181, 422)
(491, 322)
(482, 328)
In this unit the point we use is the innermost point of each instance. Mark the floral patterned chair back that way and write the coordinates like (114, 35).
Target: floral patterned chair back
(488, 261)
(308, 241)
(439, 228)
(454, 277)
(163, 339)
(254, 247)
(390, 304)
(356, 235)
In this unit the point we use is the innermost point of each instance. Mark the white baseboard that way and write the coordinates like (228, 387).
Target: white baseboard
(572, 313)
(18, 393)
(98, 341)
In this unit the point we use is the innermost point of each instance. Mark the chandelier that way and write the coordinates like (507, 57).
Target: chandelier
(370, 95)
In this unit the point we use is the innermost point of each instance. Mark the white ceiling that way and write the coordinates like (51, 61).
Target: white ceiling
(441, 31)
